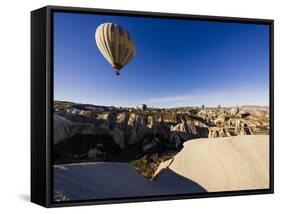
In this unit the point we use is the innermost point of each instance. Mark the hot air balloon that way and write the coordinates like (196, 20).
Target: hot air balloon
(115, 44)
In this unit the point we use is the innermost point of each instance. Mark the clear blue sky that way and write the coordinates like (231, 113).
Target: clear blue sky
(177, 63)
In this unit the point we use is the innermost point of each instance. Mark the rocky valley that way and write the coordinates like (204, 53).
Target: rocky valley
(141, 136)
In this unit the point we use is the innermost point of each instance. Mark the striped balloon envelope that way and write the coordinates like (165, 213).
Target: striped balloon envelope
(115, 44)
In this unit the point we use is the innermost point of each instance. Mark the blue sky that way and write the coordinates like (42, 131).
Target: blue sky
(177, 63)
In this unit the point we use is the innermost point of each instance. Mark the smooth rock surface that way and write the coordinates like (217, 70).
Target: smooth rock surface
(114, 180)
(224, 164)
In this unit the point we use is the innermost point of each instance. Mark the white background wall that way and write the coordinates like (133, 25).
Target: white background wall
(15, 107)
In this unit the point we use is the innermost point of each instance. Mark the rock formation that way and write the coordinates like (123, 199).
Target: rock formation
(105, 180)
(126, 134)
(203, 165)
(223, 164)
(234, 111)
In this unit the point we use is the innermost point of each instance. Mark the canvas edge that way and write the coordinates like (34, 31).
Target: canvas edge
(49, 99)
(38, 188)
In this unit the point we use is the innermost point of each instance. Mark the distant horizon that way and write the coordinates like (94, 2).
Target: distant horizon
(205, 106)
(178, 63)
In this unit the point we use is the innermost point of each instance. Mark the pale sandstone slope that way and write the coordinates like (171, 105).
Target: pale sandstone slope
(223, 164)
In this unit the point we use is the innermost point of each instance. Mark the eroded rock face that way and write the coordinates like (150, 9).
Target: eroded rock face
(62, 128)
(127, 128)
(215, 132)
(187, 130)
(85, 147)
(234, 111)
(138, 132)
(95, 153)
(118, 137)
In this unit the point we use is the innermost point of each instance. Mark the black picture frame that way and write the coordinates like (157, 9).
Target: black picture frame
(42, 102)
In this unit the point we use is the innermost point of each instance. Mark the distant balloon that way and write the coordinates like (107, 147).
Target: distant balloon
(115, 44)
